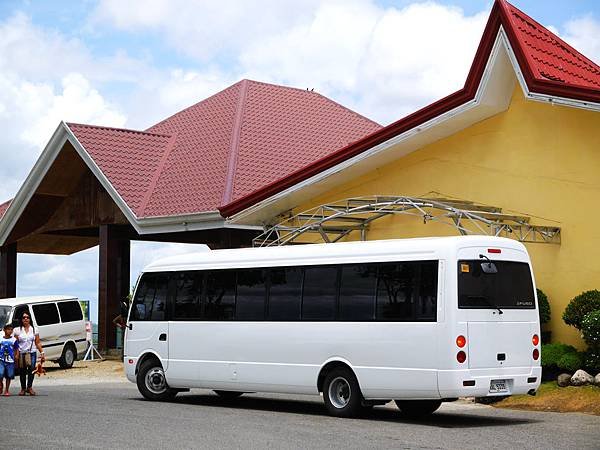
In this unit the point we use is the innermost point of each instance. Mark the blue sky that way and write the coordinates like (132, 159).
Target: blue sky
(133, 63)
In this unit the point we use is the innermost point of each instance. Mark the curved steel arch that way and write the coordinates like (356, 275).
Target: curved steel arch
(335, 221)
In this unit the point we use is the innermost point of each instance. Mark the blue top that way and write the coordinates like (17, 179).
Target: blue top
(7, 349)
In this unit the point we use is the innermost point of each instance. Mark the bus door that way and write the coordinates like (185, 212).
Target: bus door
(496, 297)
(148, 328)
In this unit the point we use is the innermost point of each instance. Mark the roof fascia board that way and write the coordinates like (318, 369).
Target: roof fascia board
(530, 94)
(466, 106)
(188, 222)
(31, 183)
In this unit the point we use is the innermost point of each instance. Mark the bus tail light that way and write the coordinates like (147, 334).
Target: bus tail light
(536, 354)
(461, 357)
(494, 250)
(535, 339)
(461, 341)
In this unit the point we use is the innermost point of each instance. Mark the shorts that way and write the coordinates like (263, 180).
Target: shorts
(7, 370)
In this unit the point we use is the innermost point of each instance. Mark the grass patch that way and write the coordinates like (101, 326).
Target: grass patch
(551, 397)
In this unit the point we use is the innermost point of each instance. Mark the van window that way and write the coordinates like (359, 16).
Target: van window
(188, 290)
(4, 312)
(219, 296)
(251, 294)
(70, 311)
(357, 292)
(285, 293)
(45, 314)
(319, 296)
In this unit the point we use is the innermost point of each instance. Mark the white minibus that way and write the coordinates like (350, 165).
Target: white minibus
(418, 321)
(59, 321)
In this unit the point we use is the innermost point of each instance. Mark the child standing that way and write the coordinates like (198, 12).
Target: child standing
(8, 353)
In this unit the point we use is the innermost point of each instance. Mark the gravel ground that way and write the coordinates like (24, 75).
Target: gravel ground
(83, 372)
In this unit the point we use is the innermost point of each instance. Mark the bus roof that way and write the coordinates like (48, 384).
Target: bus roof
(344, 252)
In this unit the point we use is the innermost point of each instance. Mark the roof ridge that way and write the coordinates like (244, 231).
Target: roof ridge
(124, 130)
(194, 105)
(157, 173)
(235, 142)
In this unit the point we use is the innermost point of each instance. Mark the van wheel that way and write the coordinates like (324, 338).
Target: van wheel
(341, 393)
(152, 383)
(228, 395)
(68, 357)
(418, 408)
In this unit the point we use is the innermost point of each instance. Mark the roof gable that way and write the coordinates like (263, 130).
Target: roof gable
(548, 58)
(540, 56)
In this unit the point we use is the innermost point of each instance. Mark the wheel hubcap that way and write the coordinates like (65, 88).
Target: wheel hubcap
(69, 357)
(339, 392)
(155, 380)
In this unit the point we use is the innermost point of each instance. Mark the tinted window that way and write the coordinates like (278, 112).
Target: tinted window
(509, 287)
(319, 295)
(219, 299)
(251, 294)
(45, 314)
(187, 295)
(426, 301)
(285, 293)
(70, 311)
(4, 312)
(150, 298)
(357, 292)
(395, 289)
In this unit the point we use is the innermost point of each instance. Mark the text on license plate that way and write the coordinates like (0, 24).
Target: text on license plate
(497, 386)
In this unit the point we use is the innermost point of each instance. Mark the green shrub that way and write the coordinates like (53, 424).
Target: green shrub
(578, 307)
(544, 307)
(590, 328)
(592, 360)
(552, 353)
(571, 361)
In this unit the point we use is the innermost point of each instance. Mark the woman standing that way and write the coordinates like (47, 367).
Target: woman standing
(29, 343)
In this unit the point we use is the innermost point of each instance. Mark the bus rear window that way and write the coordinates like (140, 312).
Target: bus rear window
(505, 284)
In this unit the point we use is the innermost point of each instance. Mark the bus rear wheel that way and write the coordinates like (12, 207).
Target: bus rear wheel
(418, 408)
(341, 393)
(152, 383)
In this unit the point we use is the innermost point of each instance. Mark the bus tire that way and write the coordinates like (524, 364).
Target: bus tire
(68, 357)
(341, 393)
(418, 408)
(151, 381)
(228, 395)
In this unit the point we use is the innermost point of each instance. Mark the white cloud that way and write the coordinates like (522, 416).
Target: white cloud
(382, 61)
(584, 34)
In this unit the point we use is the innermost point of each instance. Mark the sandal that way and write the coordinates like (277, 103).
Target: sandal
(22, 392)
(6, 394)
(31, 392)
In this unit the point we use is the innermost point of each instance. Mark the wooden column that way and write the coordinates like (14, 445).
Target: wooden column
(113, 286)
(8, 271)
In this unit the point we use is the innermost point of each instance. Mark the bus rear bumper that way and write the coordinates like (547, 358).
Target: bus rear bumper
(130, 364)
(478, 382)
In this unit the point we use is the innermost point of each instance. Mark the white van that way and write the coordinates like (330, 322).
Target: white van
(58, 320)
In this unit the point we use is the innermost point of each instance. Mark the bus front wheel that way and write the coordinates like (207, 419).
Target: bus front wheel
(418, 408)
(341, 393)
(151, 381)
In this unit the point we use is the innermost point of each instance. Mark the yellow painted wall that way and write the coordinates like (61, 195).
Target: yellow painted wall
(536, 159)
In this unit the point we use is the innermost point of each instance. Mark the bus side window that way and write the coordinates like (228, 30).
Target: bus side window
(357, 292)
(395, 290)
(319, 295)
(150, 302)
(188, 290)
(219, 295)
(251, 294)
(285, 293)
(426, 302)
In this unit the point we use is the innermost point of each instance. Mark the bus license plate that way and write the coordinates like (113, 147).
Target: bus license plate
(498, 386)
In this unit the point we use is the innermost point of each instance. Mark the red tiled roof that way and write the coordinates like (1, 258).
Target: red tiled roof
(3, 207)
(544, 59)
(548, 57)
(131, 160)
(219, 149)
(242, 138)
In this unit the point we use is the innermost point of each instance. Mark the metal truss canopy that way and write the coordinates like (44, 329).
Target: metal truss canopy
(335, 221)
